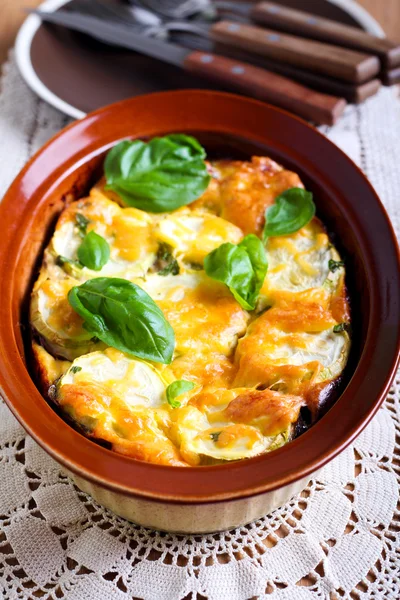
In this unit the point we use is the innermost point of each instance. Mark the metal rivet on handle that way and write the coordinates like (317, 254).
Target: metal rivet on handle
(273, 9)
(312, 21)
(238, 70)
(206, 58)
(273, 37)
(233, 27)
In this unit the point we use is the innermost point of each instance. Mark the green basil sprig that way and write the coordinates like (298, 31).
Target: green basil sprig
(292, 210)
(340, 327)
(165, 261)
(81, 222)
(334, 265)
(242, 268)
(94, 251)
(124, 316)
(177, 388)
(158, 176)
(72, 267)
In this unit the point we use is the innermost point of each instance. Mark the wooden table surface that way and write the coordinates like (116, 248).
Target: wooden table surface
(387, 12)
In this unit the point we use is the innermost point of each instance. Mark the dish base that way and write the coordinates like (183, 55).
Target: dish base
(190, 518)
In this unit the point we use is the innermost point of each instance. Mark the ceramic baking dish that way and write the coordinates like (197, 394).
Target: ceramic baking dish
(202, 499)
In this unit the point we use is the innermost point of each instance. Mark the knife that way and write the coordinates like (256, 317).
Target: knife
(236, 75)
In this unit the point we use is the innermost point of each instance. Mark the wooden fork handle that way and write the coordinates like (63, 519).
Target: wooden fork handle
(342, 63)
(268, 86)
(314, 27)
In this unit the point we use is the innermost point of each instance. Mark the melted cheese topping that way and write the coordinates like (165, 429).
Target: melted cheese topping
(203, 313)
(195, 234)
(128, 231)
(253, 371)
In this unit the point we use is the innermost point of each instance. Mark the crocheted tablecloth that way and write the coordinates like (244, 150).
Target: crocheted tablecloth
(338, 539)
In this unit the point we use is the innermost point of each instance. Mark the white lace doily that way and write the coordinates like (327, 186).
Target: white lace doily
(338, 539)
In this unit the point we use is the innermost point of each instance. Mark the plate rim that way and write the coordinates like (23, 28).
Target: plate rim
(32, 23)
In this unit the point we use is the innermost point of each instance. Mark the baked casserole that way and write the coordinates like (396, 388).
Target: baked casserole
(188, 312)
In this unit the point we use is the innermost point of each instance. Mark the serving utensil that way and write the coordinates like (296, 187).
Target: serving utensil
(233, 74)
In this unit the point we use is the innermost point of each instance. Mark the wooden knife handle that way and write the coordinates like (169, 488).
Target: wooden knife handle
(268, 86)
(342, 63)
(311, 26)
(349, 91)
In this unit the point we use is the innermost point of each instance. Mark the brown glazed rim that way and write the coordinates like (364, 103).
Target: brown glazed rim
(225, 114)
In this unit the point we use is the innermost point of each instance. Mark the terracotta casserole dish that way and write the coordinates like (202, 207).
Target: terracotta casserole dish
(208, 498)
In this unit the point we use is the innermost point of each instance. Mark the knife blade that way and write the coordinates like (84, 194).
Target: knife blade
(115, 34)
(232, 74)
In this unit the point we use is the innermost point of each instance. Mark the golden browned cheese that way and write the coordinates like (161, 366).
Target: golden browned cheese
(205, 369)
(135, 435)
(48, 368)
(62, 315)
(268, 410)
(253, 371)
(339, 305)
(294, 316)
(243, 190)
(207, 318)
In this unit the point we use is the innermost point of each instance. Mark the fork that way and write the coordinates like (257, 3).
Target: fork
(176, 9)
(142, 20)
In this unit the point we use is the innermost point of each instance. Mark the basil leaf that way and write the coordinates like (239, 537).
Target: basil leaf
(81, 222)
(75, 369)
(258, 258)
(292, 209)
(242, 268)
(124, 316)
(94, 252)
(158, 176)
(334, 265)
(340, 327)
(176, 389)
(72, 267)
